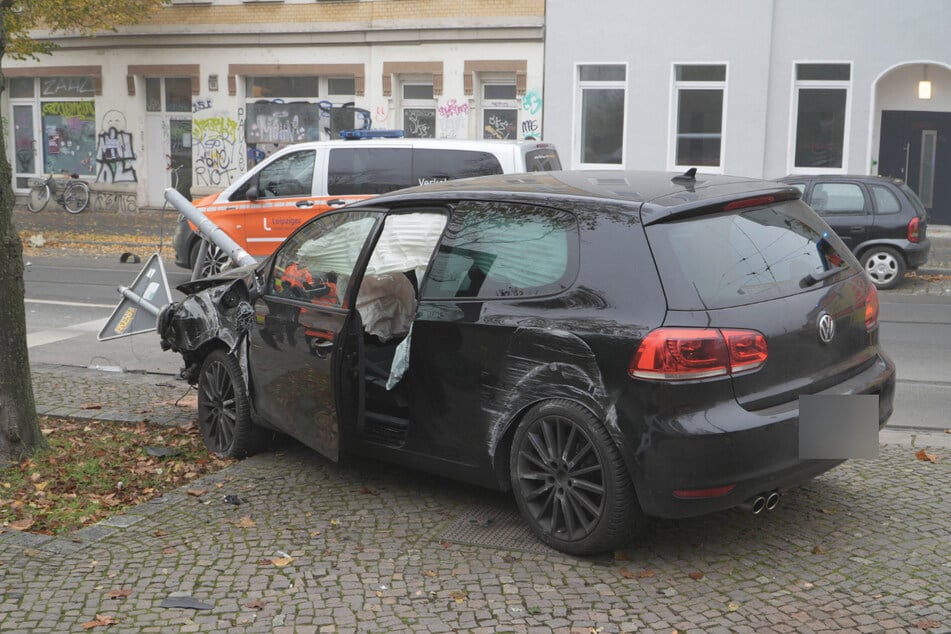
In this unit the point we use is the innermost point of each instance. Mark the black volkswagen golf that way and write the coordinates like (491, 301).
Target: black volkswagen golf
(607, 345)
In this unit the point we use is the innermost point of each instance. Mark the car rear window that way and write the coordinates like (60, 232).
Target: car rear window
(915, 201)
(542, 160)
(744, 257)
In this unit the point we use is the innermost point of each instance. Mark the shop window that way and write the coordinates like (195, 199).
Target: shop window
(600, 106)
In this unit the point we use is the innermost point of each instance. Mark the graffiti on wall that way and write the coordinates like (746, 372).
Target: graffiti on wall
(216, 154)
(115, 155)
(453, 119)
(113, 200)
(531, 109)
(272, 125)
(67, 87)
(500, 123)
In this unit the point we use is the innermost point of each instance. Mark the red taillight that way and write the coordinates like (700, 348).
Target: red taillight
(913, 229)
(749, 202)
(672, 354)
(871, 309)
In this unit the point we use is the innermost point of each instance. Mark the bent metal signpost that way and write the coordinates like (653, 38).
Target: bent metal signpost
(141, 303)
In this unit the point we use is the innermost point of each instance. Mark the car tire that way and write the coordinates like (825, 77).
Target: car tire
(224, 412)
(581, 508)
(216, 260)
(884, 265)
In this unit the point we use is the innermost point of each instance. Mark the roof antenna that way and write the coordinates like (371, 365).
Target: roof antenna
(689, 175)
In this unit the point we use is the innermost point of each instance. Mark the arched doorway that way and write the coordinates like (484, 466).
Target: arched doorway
(914, 133)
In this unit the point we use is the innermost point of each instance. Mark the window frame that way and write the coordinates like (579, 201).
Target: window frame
(487, 105)
(417, 104)
(674, 114)
(823, 84)
(578, 100)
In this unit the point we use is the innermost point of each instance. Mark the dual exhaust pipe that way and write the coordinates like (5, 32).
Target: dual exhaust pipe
(762, 502)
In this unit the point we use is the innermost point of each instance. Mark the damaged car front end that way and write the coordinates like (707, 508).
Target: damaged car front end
(216, 313)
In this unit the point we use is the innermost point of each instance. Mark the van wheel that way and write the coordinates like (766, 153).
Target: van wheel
(884, 265)
(570, 482)
(224, 412)
(216, 259)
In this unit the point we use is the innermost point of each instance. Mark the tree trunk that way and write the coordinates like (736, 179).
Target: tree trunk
(20, 432)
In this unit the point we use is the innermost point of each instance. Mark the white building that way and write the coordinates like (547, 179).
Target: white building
(215, 85)
(760, 88)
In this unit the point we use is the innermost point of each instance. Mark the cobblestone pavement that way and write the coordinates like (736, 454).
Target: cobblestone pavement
(315, 546)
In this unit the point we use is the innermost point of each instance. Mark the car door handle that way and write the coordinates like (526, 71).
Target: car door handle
(856, 229)
(305, 203)
(337, 202)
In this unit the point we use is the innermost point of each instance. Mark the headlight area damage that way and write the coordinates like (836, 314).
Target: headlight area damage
(216, 317)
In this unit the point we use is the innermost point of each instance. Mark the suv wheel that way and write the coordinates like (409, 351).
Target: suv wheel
(216, 259)
(884, 265)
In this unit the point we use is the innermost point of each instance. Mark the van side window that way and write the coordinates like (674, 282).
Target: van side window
(289, 176)
(485, 246)
(362, 171)
(435, 166)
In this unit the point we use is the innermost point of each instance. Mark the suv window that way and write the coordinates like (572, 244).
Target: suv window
(885, 201)
(493, 250)
(290, 175)
(435, 166)
(734, 259)
(838, 198)
(362, 171)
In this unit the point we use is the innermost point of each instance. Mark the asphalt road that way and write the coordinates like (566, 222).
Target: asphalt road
(68, 300)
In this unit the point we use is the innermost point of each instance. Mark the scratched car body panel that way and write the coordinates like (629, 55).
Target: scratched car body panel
(607, 346)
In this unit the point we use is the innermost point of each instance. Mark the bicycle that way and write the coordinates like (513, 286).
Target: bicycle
(72, 193)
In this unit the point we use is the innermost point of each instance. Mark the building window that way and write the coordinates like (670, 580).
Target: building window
(168, 94)
(419, 109)
(54, 120)
(699, 92)
(282, 87)
(499, 109)
(821, 116)
(600, 106)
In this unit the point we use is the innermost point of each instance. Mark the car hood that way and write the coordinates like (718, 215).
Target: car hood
(246, 273)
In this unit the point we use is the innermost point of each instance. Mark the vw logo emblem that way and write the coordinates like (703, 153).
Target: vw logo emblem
(826, 328)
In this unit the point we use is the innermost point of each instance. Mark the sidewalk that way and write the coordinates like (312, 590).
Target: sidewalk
(375, 548)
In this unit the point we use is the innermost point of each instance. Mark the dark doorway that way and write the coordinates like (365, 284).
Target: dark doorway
(916, 147)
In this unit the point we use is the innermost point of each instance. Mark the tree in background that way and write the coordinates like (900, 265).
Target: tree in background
(20, 433)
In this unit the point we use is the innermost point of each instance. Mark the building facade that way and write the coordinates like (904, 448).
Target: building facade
(760, 88)
(207, 88)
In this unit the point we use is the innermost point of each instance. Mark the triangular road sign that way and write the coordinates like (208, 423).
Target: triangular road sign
(138, 310)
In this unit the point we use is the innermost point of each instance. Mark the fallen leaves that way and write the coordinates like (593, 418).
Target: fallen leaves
(94, 469)
(245, 522)
(643, 574)
(101, 620)
(696, 576)
(119, 594)
(924, 456)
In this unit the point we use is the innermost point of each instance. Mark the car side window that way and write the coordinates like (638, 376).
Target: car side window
(838, 198)
(289, 176)
(316, 263)
(503, 250)
(885, 201)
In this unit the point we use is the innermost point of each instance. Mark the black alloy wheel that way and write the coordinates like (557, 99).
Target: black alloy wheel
(570, 482)
(216, 259)
(224, 415)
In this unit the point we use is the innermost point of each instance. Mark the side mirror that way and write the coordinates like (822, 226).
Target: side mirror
(253, 193)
